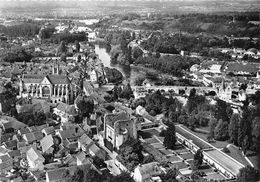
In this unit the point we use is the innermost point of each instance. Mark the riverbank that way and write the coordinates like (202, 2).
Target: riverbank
(153, 71)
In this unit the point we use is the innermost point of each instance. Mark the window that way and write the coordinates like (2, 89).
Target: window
(45, 91)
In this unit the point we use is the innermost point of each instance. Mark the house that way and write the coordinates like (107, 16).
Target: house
(6, 163)
(212, 67)
(11, 144)
(94, 150)
(59, 174)
(56, 175)
(15, 155)
(118, 127)
(23, 131)
(247, 69)
(82, 159)
(48, 131)
(144, 172)
(70, 135)
(47, 144)
(66, 112)
(84, 142)
(33, 137)
(35, 159)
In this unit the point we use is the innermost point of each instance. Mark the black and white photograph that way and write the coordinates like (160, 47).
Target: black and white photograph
(129, 90)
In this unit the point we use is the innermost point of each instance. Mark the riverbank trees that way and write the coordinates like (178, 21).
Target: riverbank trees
(171, 64)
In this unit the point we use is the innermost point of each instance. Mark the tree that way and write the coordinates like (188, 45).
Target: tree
(256, 134)
(93, 176)
(198, 159)
(77, 46)
(85, 106)
(221, 130)
(170, 175)
(137, 52)
(126, 92)
(233, 128)
(139, 81)
(123, 177)
(78, 175)
(62, 48)
(63, 57)
(170, 138)
(212, 124)
(248, 174)
(130, 153)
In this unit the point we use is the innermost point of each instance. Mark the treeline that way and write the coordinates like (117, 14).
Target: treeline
(113, 75)
(68, 37)
(17, 54)
(160, 43)
(120, 52)
(174, 64)
(164, 43)
(47, 34)
(22, 30)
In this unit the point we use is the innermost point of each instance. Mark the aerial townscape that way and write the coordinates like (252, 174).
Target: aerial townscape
(130, 91)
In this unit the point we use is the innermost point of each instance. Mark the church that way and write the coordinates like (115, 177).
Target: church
(52, 87)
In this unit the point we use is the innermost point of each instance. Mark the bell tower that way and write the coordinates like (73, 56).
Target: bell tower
(56, 69)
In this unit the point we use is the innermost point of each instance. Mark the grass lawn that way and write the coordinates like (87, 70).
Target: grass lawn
(234, 152)
(237, 154)
(218, 144)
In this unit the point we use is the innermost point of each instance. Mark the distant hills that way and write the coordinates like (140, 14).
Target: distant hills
(101, 7)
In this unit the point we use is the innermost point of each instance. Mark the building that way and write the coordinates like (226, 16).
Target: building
(66, 112)
(47, 144)
(35, 159)
(55, 88)
(118, 127)
(246, 69)
(145, 172)
(6, 163)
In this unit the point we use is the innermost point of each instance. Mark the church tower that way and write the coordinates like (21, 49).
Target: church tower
(56, 69)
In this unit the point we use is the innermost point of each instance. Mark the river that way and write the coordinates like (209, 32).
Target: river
(129, 73)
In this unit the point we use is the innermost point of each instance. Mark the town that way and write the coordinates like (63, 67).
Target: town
(119, 98)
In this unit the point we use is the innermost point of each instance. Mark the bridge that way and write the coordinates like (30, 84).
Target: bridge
(139, 90)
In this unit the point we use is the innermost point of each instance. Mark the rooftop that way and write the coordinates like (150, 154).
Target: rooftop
(225, 161)
(243, 67)
(110, 119)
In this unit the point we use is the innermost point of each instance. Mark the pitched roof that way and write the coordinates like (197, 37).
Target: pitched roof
(5, 162)
(110, 119)
(33, 155)
(3, 150)
(85, 140)
(33, 136)
(57, 174)
(95, 149)
(69, 109)
(244, 67)
(14, 153)
(81, 156)
(24, 130)
(58, 79)
(10, 144)
(149, 169)
(32, 78)
(46, 143)
(70, 133)
(48, 130)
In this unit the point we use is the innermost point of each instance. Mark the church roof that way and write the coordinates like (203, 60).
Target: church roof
(58, 79)
(37, 78)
